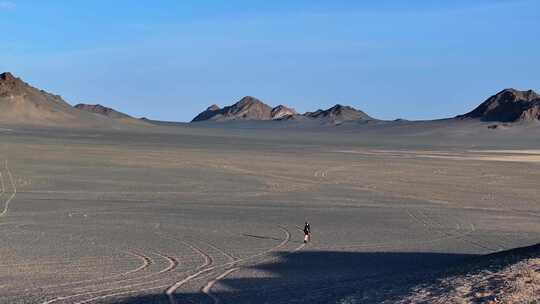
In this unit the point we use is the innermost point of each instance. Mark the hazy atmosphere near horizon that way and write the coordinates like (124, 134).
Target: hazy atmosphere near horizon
(169, 59)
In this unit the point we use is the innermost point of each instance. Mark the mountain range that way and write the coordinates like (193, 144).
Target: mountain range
(251, 108)
(23, 104)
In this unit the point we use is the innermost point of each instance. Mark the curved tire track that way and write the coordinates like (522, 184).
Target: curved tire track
(147, 261)
(207, 289)
(172, 289)
(207, 262)
(173, 263)
(6, 204)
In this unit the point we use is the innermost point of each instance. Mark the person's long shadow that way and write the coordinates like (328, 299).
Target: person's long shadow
(323, 277)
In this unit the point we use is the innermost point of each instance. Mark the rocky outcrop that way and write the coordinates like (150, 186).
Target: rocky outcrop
(247, 108)
(509, 105)
(250, 108)
(101, 110)
(207, 114)
(282, 112)
(12, 87)
(22, 104)
(339, 114)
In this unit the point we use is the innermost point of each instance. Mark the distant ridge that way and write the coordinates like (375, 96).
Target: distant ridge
(509, 105)
(251, 108)
(22, 104)
(102, 110)
(247, 108)
(111, 114)
(339, 114)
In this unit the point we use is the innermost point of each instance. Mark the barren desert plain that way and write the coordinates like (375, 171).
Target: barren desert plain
(270, 152)
(199, 213)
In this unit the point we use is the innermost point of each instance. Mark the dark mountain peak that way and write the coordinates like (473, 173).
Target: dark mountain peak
(339, 107)
(7, 76)
(509, 105)
(513, 95)
(207, 114)
(249, 101)
(247, 108)
(11, 85)
(338, 114)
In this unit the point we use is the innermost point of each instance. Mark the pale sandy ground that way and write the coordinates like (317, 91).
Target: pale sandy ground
(211, 216)
(524, 156)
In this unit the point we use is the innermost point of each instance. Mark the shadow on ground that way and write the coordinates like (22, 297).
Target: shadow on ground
(323, 277)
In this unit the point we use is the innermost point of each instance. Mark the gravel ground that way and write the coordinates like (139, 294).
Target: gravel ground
(201, 215)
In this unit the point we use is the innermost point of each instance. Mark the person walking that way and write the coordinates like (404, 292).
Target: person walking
(307, 233)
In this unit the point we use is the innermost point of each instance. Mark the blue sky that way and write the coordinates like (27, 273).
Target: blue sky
(170, 59)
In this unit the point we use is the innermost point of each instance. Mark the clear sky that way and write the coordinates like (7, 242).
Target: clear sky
(170, 59)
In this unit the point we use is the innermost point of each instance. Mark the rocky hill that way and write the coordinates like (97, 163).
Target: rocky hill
(509, 105)
(339, 114)
(23, 104)
(247, 108)
(250, 108)
(102, 110)
(111, 114)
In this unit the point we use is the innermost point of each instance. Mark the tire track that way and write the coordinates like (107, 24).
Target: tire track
(172, 289)
(173, 263)
(431, 224)
(228, 255)
(207, 262)
(203, 268)
(466, 238)
(207, 289)
(53, 263)
(147, 261)
(3, 185)
(6, 204)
